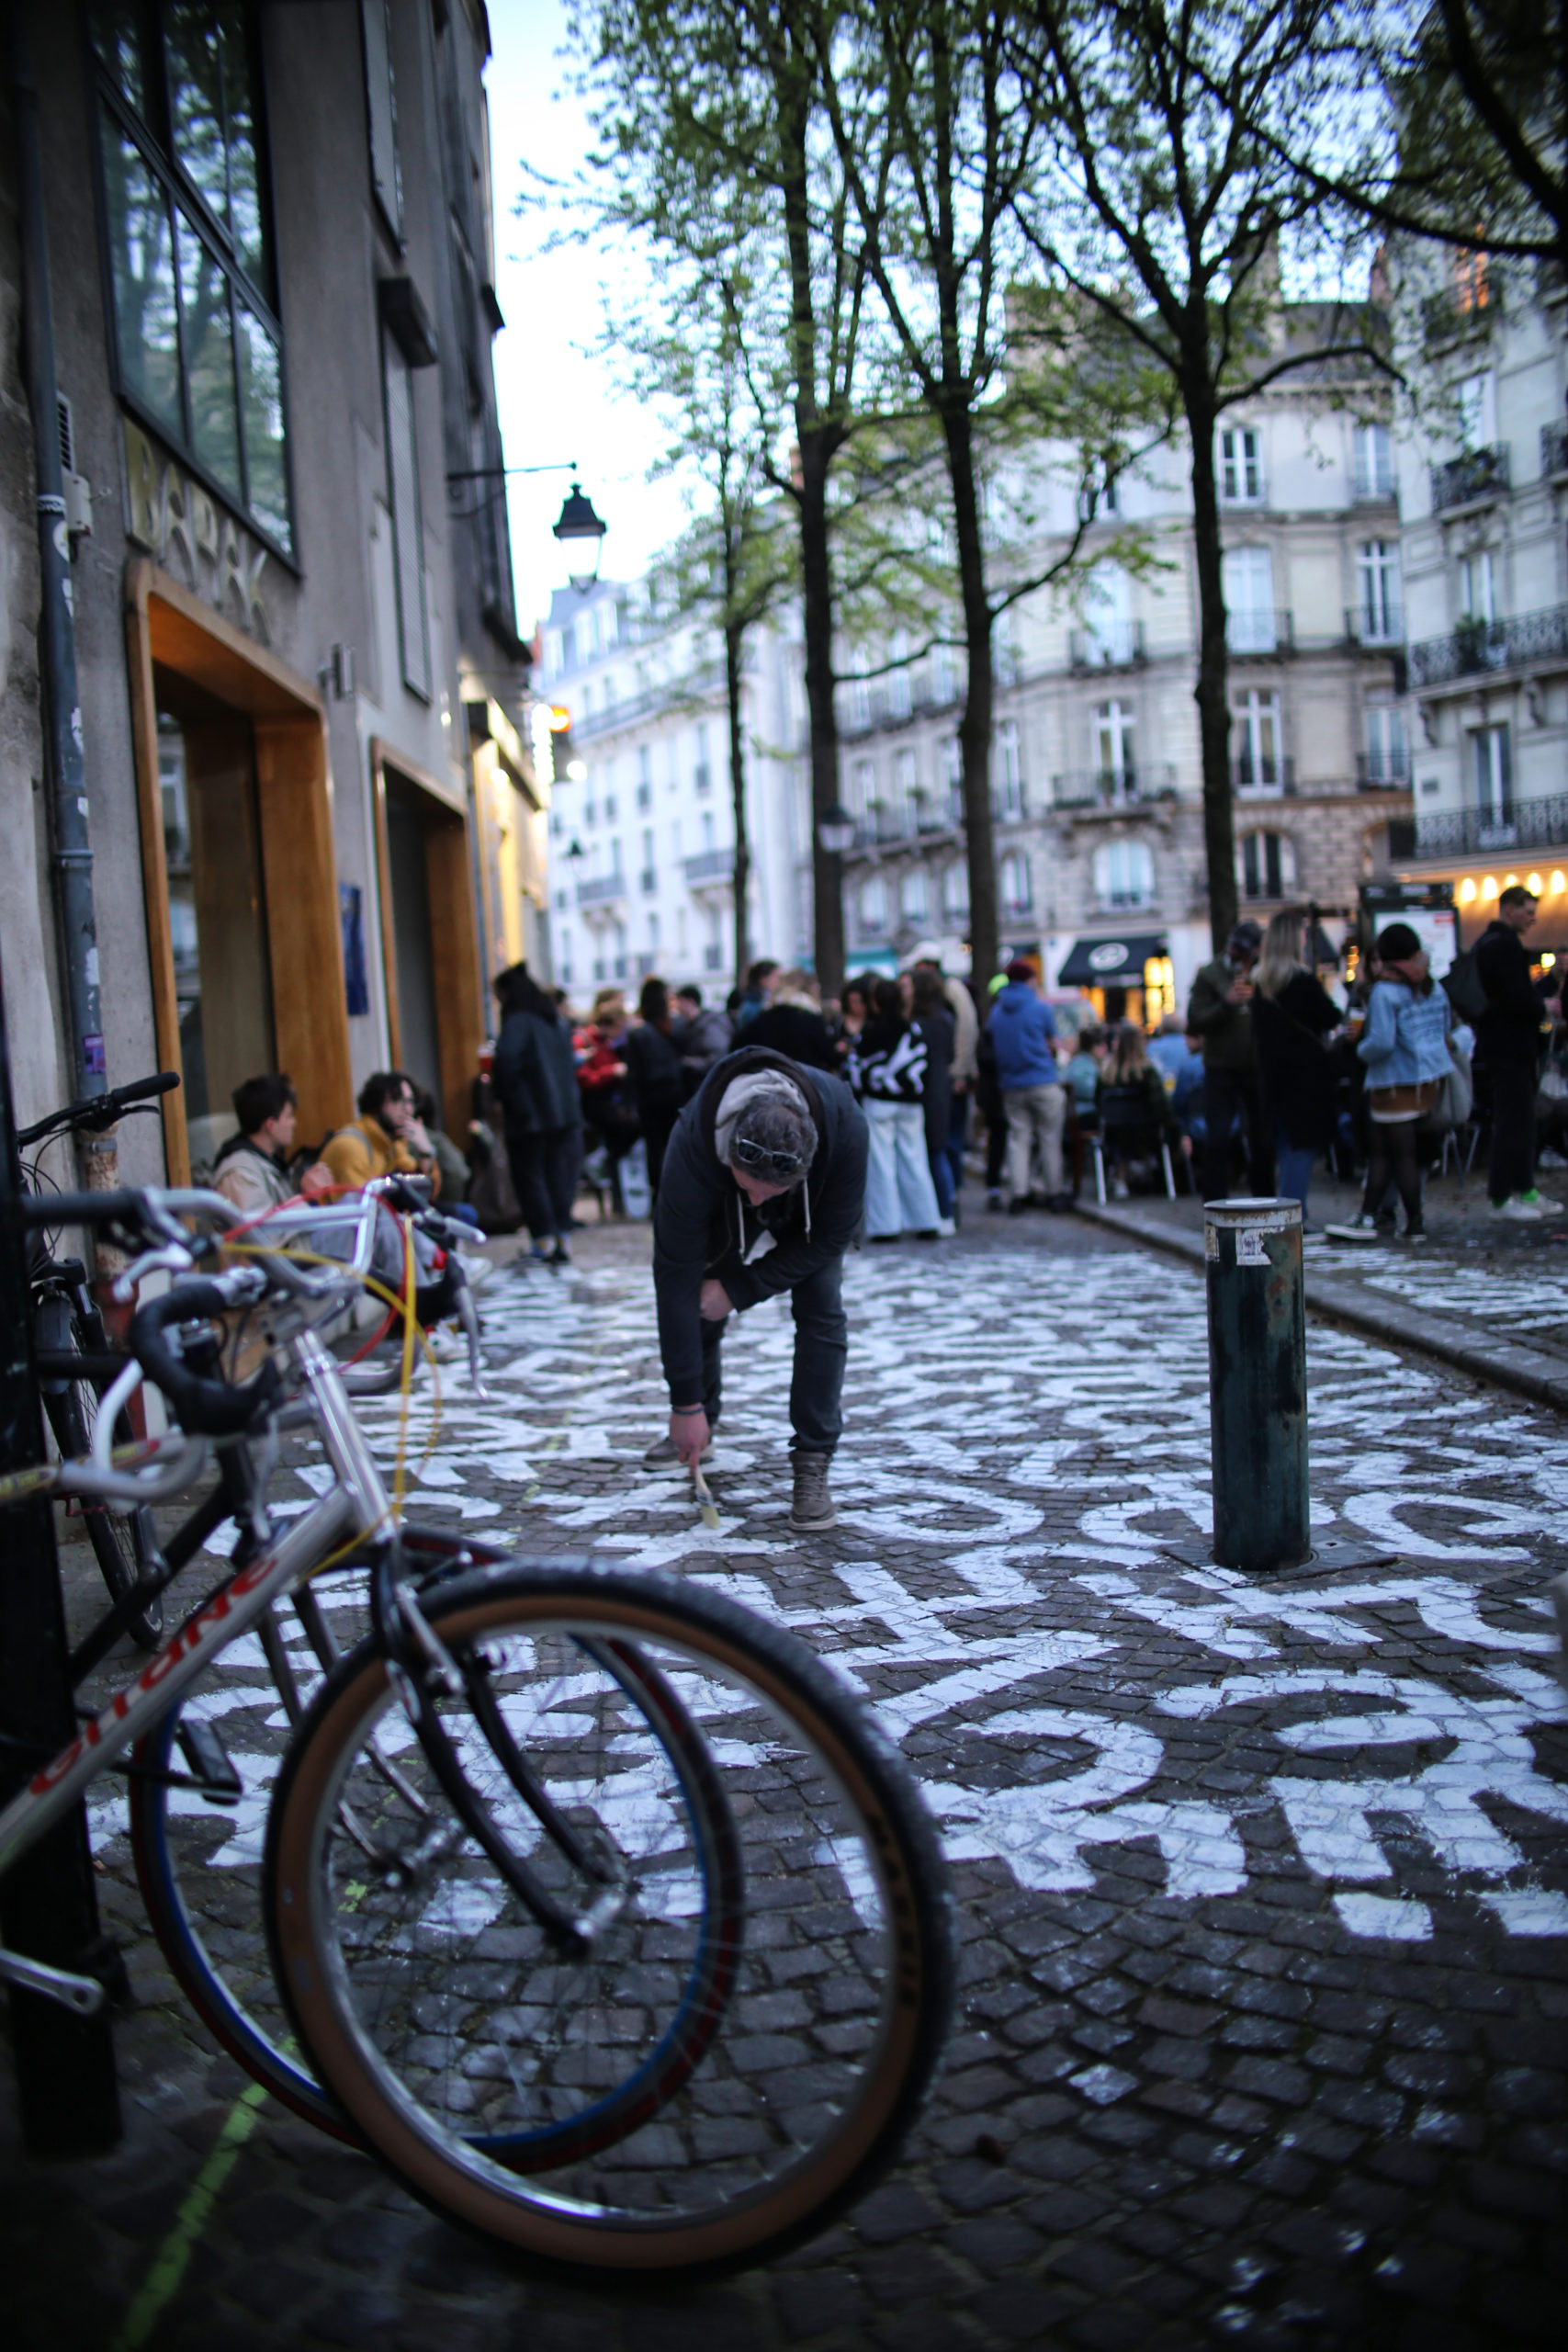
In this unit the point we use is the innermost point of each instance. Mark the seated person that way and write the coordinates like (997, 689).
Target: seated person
(253, 1167)
(1128, 1070)
(1081, 1073)
(387, 1138)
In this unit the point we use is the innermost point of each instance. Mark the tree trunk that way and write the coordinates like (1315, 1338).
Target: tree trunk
(817, 600)
(1213, 663)
(974, 729)
(734, 635)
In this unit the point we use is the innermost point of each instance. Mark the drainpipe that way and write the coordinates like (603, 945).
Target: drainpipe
(73, 855)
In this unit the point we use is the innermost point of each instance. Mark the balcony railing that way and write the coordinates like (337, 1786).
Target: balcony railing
(1374, 485)
(1518, 824)
(1113, 645)
(1113, 787)
(1480, 473)
(1377, 771)
(1260, 632)
(1252, 773)
(1366, 626)
(602, 888)
(1554, 449)
(1477, 647)
(710, 865)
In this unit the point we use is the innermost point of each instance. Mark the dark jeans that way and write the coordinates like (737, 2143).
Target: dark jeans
(1394, 1161)
(821, 1348)
(957, 1130)
(1511, 1168)
(544, 1177)
(658, 1126)
(1226, 1092)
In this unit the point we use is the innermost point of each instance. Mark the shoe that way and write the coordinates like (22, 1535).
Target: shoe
(1119, 1190)
(661, 1454)
(994, 1203)
(1019, 1207)
(1539, 1201)
(478, 1269)
(945, 1228)
(561, 1255)
(1415, 1233)
(1519, 1210)
(812, 1509)
(1356, 1228)
(445, 1345)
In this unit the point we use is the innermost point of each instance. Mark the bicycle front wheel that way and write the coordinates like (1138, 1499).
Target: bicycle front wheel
(673, 2095)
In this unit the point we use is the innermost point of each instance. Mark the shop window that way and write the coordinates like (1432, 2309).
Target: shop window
(198, 344)
(1124, 875)
(1266, 865)
(407, 531)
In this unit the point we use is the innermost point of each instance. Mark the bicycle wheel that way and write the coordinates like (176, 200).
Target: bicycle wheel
(549, 2100)
(122, 1540)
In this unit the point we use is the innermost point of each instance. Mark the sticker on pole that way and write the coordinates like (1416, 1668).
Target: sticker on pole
(1250, 1247)
(1211, 1242)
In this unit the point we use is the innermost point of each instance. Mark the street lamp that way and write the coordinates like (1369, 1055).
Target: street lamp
(836, 830)
(582, 534)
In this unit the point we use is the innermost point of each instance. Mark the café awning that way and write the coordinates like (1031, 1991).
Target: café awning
(1111, 963)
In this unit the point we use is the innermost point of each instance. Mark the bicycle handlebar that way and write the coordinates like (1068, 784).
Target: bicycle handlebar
(204, 1407)
(100, 1111)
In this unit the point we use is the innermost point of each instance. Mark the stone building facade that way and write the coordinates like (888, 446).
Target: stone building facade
(315, 819)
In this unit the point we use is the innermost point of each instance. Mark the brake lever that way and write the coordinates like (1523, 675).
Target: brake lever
(174, 1259)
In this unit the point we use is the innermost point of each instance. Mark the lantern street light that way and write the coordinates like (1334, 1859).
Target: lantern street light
(836, 830)
(582, 534)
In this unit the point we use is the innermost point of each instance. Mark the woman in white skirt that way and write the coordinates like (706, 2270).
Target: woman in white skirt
(887, 1070)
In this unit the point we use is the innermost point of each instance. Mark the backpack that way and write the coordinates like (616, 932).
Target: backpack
(1461, 985)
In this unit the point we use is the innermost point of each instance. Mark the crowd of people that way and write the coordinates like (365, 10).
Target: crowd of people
(1280, 1064)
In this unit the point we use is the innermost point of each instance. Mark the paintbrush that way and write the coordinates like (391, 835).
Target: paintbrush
(706, 1504)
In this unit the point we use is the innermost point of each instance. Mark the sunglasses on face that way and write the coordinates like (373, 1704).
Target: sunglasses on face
(758, 1160)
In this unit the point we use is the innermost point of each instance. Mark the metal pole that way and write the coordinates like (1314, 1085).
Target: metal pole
(1257, 1397)
(57, 636)
(49, 1904)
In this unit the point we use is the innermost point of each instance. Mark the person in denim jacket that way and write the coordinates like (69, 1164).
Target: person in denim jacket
(1405, 1046)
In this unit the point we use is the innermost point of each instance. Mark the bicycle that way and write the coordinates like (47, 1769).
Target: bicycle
(75, 1363)
(603, 1914)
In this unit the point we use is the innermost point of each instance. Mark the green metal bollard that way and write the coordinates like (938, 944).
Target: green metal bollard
(1257, 1392)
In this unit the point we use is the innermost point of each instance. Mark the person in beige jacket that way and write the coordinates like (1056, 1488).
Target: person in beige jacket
(252, 1166)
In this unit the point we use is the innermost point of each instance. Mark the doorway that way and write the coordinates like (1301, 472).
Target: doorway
(218, 922)
(413, 944)
(429, 944)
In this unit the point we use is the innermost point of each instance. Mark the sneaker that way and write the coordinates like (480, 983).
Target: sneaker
(994, 1202)
(1356, 1228)
(1020, 1207)
(661, 1454)
(1119, 1190)
(945, 1228)
(1539, 1201)
(561, 1255)
(812, 1510)
(1520, 1210)
(1415, 1233)
(478, 1269)
(445, 1345)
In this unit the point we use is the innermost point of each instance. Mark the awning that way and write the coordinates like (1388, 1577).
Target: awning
(1111, 963)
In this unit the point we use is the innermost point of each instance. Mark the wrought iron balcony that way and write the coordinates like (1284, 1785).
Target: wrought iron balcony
(1518, 824)
(1255, 773)
(1260, 632)
(601, 890)
(1382, 771)
(1480, 473)
(1126, 787)
(1478, 647)
(1554, 449)
(1374, 485)
(709, 866)
(1113, 645)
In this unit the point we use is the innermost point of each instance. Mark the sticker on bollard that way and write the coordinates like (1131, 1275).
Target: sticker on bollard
(1257, 1396)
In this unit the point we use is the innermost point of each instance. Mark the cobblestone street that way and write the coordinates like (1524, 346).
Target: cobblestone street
(1263, 1883)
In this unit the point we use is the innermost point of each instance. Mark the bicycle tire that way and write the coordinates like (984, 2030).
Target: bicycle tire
(849, 1936)
(122, 1542)
(199, 1865)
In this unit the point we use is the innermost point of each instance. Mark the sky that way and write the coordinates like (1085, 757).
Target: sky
(558, 404)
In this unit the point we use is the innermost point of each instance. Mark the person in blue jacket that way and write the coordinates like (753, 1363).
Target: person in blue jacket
(1023, 1029)
(1405, 1048)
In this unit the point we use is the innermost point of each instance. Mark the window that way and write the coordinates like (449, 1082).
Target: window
(708, 829)
(1373, 461)
(649, 879)
(1123, 877)
(1477, 599)
(1477, 397)
(863, 786)
(874, 905)
(914, 898)
(1265, 866)
(1098, 493)
(197, 345)
(1259, 765)
(611, 809)
(1388, 754)
(381, 104)
(675, 839)
(1376, 573)
(942, 673)
(553, 664)
(956, 892)
(1494, 775)
(1248, 582)
(1471, 290)
(1010, 778)
(1113, 745)
(703, 775)
(408, 530)
(898, 684)
(954, 762)
(860, 701)
(1004, 648)
(1017, 892)
(1241, 466)
(906, 789)
(1108, 614)
(644, 777)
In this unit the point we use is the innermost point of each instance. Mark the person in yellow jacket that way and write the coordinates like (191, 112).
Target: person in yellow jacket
(387, 1138)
